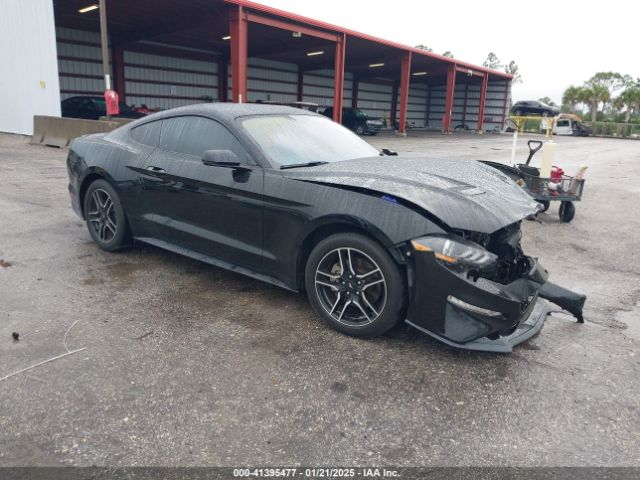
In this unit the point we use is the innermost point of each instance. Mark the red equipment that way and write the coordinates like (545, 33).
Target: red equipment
(112, 102)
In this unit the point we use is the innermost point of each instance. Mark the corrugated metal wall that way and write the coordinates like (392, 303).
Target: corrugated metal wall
(79, 62)
(29, 83)
(170, 80)
(162, 81)
(436, 106)
(375, 99)
(318, 88)
(496, 106)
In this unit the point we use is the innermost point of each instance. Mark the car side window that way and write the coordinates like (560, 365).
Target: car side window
(195, 135)
(147, 133)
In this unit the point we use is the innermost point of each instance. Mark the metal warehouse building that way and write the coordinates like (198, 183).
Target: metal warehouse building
(165, 53)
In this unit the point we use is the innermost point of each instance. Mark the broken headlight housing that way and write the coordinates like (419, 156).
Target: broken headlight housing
(455, 252)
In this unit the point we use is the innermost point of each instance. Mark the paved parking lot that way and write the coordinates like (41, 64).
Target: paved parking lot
(187, 364)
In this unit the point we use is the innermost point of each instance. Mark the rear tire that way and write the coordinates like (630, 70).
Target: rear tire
(518, 113)
(354, 285)
(105, 217)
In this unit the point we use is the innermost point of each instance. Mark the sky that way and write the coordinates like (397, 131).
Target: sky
(550, 42)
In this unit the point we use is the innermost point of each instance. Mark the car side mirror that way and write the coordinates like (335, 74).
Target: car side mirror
(220, 158)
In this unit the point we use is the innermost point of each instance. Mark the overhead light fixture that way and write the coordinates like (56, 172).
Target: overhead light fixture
(227, 37)
(297, 34)
(376, 65)
(415, 74)
(89, 8)
(313, 54)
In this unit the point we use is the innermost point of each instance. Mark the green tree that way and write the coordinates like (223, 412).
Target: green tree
(629, 100)
(424, 47)
(512, 69)
(609, 81)
(572, 96)
(448, 54)
(593, 95)
(492, 62)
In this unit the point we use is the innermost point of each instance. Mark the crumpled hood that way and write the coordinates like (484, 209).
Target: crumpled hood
(464, 194)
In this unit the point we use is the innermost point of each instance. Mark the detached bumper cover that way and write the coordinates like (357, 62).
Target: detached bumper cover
(502, 344)
(514, 311)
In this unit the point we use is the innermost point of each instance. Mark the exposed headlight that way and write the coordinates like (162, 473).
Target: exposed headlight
(455, 251)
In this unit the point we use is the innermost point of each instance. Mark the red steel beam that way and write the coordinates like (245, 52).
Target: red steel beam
(292, 17)
(448, 109)
(118, 71)
(405, 77)
(338, 78)
(239, 43)
(469, 71)
(483, 98)
(292, 27)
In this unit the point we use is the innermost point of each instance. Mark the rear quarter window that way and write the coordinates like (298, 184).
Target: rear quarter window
(147, 133)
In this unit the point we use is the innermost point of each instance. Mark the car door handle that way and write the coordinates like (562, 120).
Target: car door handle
(151, 168)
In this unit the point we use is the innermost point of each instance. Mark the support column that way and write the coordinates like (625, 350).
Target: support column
(300, 84)
(354, 92)
(405, 78)
(223, 79)
(104, 45)
(483, 98)
(448, 105)
(117, 54)
(338, 78)
(394, 104)
(239, 40)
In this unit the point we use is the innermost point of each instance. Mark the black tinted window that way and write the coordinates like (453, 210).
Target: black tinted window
(149, 133)
(196, 135)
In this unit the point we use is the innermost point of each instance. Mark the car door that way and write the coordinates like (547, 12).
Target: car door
(212, 210)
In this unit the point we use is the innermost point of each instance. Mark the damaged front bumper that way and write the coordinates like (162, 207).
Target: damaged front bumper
(475, 313)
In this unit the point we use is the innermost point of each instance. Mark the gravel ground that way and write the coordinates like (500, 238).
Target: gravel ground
(186, 364)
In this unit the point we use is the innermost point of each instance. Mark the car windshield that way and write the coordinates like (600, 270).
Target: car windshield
(300, 139)
(359, 113)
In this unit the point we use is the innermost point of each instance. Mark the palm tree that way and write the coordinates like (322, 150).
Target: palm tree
(629, 99)
(593, 94)
(572, 96)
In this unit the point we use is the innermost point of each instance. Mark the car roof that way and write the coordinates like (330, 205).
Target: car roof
(230, 111)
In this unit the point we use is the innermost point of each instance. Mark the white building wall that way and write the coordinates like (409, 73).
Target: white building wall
(28, 64)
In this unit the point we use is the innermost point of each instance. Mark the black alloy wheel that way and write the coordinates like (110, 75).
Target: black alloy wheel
(354, 285)
(105, 217)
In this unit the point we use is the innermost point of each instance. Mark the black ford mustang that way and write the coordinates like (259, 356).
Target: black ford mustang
(292, 198)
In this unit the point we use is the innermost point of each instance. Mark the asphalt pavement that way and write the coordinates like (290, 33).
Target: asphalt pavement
(187, 364)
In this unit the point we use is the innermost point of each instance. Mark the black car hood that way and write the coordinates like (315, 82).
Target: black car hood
(464, 194)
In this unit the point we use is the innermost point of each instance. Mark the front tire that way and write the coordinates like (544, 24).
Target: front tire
(354, 285)
(360, 130)
(105, 217)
